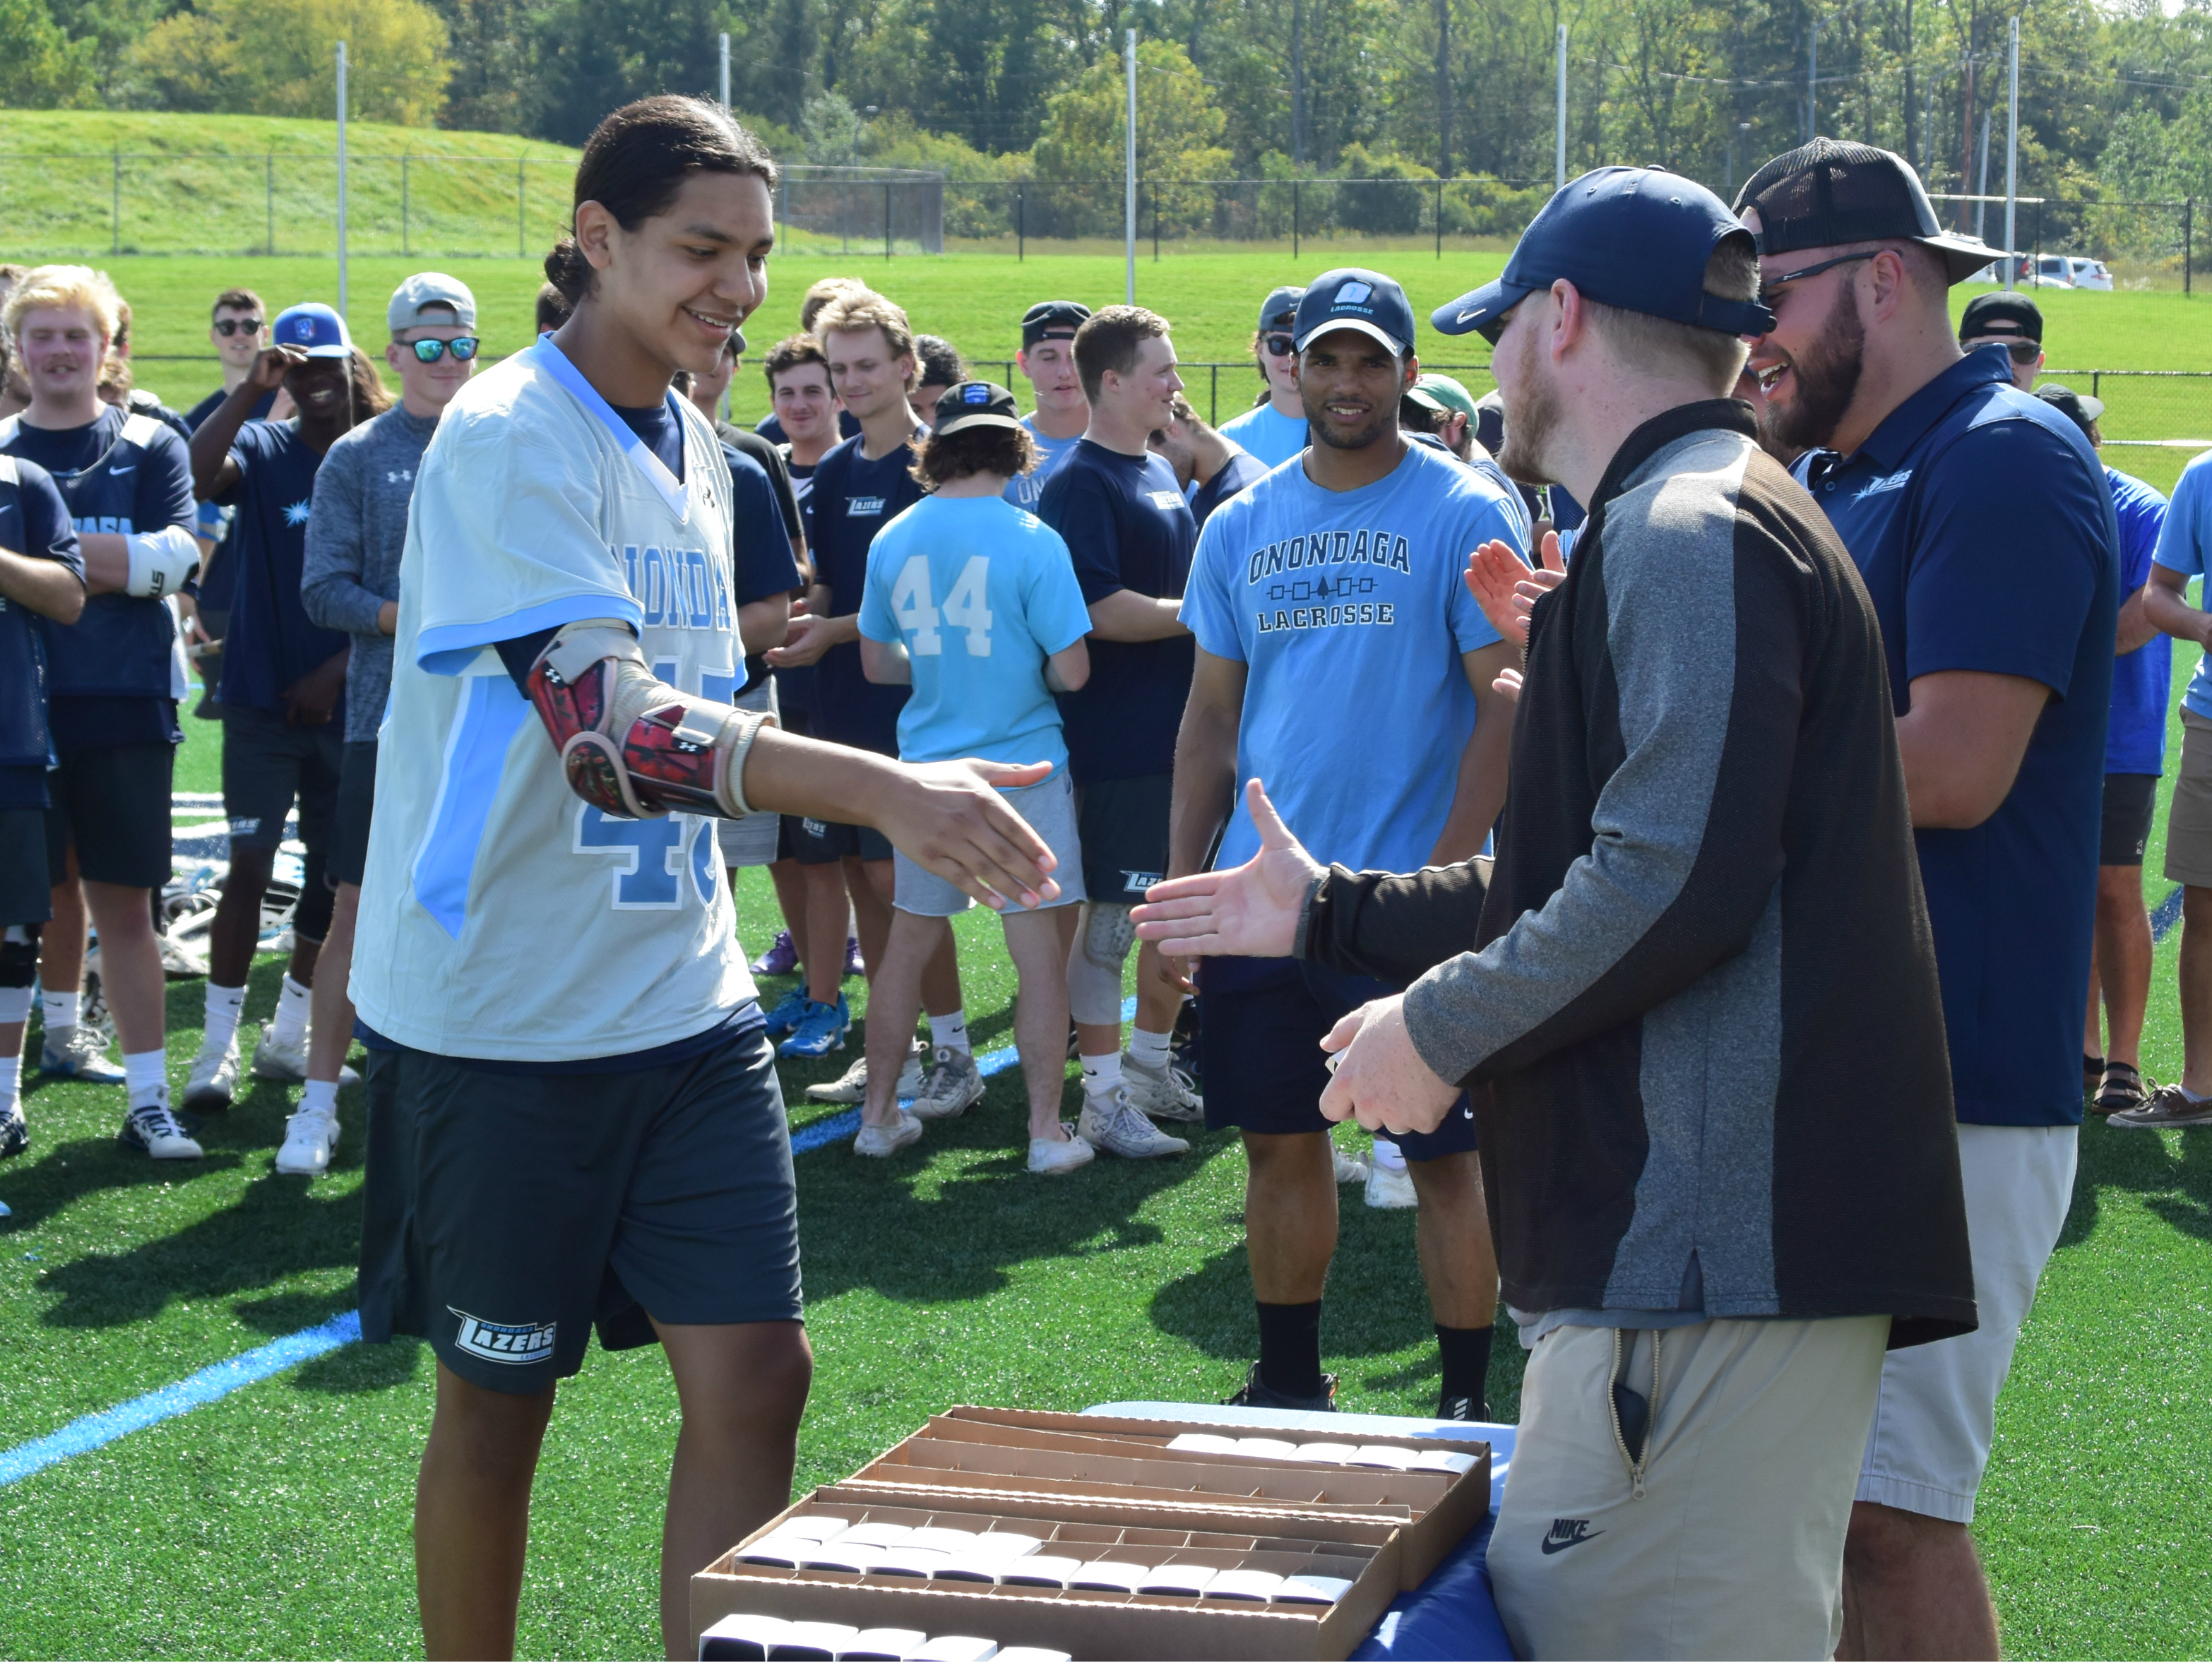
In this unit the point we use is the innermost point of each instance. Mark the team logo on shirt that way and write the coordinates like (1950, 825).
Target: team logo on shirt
(1167, 501)
(295, 513)
(677, 588)
(862, 508)
(116, 524)
(1896, 482)
(504, 1342)
(1378, 547)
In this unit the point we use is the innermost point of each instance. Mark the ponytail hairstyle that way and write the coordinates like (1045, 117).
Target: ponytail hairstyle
(637, 160)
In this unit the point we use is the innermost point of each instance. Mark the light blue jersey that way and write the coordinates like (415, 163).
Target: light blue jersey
(1348, 611)
(2184, 545)
(1267, 433)
(1024, 492)
(981, 594)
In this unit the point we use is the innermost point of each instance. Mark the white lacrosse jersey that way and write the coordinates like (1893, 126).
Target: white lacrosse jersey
(502, 916)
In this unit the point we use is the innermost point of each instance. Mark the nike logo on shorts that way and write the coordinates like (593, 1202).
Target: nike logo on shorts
(1568, 1532)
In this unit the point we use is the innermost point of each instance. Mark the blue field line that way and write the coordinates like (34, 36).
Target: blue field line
(2166, 915)
(219, 1380)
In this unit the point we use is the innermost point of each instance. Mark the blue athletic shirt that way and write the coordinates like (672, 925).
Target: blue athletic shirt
(1347, 609)
(1126, 527)
(2184, 545)
(1025, 492)
(270, 642)
(2142, 681)
(115, 674)
(1240, 473)
(981, 594)
(1266, 434)
(34, 522)
(1980, 519)
(854, 499)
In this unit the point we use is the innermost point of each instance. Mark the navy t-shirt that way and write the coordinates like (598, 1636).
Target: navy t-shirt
(1126, 527)
(794, 688)
(1980, 520)
(112, 674)
(270, 642)
(854, 499)
(1241, 469)
(34, 522)
(761, 564)
(222, 570)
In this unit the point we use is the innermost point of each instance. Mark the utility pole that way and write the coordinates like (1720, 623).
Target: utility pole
(1444, 90)
(1129, 165)
(1812, 84)
(1982, 177)
(1297, 84)
(1559, 110)
(2012, 152)
(1911, 155)
(725, 69)
(341, 179)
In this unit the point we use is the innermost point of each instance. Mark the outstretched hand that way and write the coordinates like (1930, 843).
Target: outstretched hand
(1506, 590)
(950, 818)
(1249, 911)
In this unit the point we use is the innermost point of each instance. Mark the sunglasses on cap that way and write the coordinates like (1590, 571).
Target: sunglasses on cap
(1278, 346)
(463, 347)
(227, 327)
(2022, 352)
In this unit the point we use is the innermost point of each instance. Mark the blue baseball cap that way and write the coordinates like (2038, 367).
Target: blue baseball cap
(1350, 298)
(314, 328)
(1279, 308)
(1636, 238)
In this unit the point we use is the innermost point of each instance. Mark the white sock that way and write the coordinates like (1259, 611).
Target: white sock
(289, 1025)
(11, 1085)
(225, 1005)
(61, 1010)
(1101, 1076)
(1149, 1049)
(1388, 1155)
(145, 1076)
(320, 1094)
(14, 1005)
(951, 1030)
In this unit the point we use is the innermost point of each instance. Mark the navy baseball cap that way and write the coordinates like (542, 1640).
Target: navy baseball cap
(2014, 315)
(976, 404)
(314, 328)
(1279, 308)
(1052, 320)
(1350, 298)
(1636, 238)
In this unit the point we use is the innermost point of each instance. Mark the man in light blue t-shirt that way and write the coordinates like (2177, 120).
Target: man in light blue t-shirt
(1274, 431)
(1342, 661)
(1047, 359)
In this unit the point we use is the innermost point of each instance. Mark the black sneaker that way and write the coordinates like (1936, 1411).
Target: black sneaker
(15, 1132)
(1452, 1407)
(1257, 1393)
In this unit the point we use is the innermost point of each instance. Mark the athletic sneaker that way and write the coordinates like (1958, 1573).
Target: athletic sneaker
(820, 1031)
(1050, 1158)
(213, 1079)
(851, 1086)
(15, 1131)
(78, 1052)
(1458, 1406)
(2169, 1106)
(273, 1060)
(888, 1140)
(949, 1085)
(1350, 1168)
(1257, 1393)
(854, 964)
(1115, 1126)
(780, 959)
(790, 1010)
(311, 1137)
(153, 1128)
(1164, 1093)
(1390, 1187)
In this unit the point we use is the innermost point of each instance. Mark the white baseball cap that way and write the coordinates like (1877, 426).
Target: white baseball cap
(431, 288)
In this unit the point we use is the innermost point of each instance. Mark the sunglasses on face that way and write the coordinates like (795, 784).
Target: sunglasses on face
(2022, 352)
(1768, 291)
(227, 327)
(1278, 346)
(463, 347)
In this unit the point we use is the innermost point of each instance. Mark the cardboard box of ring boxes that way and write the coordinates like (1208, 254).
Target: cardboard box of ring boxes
(1303, 1542)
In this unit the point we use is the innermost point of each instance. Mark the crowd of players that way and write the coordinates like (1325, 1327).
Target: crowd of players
(1142, 618)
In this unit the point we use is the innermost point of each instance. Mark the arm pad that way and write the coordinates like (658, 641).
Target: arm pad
(631, 744)
(160, 561)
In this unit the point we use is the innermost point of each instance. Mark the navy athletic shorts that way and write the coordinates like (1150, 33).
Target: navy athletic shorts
(110, 804)
(1261, 1022)
(356, 804)
(1122, 825)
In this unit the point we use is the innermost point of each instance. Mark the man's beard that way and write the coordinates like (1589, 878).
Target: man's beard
(1531, 417)
(1827, 380)
(1384, 423)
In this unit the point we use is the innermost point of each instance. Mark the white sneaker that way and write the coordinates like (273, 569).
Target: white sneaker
(888, 1140)
(1165, 1094)
(1389, 1187)
(213, 1079)
(1350, 1168)
(153, 1128)
(851, 1086)
(311, 1137)
(952, 1084)
(273, 1060)
(1114, 1125)
(1051, 1158)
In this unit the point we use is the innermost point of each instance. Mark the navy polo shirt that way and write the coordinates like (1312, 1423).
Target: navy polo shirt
(1980, 520)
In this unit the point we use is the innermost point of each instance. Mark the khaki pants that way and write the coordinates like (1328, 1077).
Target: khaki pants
(1735, 1546)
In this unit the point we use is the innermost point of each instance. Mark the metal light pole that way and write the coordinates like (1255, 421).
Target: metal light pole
(2012, 152)
(341, 179)
(1129, 164)
(725, 69)
(1812, 84)
(1559, 110)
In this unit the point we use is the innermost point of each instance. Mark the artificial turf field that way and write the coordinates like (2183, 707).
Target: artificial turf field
(276, 1521)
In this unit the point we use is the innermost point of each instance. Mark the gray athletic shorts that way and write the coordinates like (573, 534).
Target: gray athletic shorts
(505, 1215)
(1049, 807)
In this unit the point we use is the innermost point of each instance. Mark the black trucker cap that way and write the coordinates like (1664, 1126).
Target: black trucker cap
(1832, 191)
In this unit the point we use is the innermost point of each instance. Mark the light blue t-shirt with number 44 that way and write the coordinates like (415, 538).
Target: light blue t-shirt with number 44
(2184, 545)
(980, 594)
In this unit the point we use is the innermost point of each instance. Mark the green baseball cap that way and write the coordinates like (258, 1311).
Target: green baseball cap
(1443, 395)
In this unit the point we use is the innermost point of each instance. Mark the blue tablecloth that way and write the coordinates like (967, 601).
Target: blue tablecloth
(1452, 1614)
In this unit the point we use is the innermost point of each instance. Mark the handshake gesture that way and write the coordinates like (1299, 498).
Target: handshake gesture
(1253, 910)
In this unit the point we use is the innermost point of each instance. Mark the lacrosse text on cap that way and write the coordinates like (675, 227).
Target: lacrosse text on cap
(1636, 238)
(1277, 311)
(447, 300)
(976, 404)
(314, 328)
(1831, 193)
(1350, 298)
(1050, 320)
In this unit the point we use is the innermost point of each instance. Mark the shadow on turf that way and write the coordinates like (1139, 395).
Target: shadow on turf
(2173, 1177)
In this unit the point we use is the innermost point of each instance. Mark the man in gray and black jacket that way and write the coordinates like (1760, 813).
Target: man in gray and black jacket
(1694, 999)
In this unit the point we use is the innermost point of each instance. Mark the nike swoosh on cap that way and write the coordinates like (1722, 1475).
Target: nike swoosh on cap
(1464, 316)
